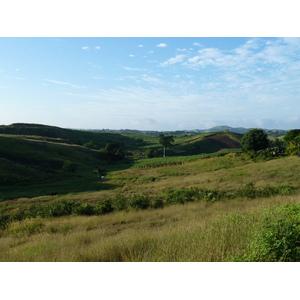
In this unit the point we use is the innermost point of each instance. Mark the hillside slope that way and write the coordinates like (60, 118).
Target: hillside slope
(32, 157)
(66, 136)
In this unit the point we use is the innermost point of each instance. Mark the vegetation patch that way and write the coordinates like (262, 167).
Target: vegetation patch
(278, 240)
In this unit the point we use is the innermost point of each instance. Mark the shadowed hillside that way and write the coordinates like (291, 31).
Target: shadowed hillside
(67, 136)
(40, 160)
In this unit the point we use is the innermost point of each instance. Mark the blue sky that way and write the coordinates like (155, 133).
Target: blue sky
(163, 83)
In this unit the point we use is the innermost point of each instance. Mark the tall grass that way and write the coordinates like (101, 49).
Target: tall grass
(198, 231)
(163, 161)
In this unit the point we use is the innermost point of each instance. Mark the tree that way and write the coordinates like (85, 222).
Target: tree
(255, 140)
(114, 151)
(291, 135)
(166, 142)
(292, 140)
(150, 153)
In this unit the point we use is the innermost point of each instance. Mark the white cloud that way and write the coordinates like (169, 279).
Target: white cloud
(97, 47)
(65, 83)
(162, 45)
(173, 60)
(140, 46)
(85, 48)
(131, 55)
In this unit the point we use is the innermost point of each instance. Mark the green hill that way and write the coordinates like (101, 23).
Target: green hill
(201, 205)
(32, 156)
(66, 136)
(32, 159)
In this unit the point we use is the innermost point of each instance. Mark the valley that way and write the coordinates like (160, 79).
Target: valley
(64, 196)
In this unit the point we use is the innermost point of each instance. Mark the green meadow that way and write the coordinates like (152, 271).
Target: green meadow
(62, 198)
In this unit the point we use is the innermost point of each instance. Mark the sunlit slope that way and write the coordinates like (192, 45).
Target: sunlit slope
(32, 157)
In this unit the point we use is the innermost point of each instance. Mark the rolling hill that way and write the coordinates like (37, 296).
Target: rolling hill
(32, 156)
(197, 204)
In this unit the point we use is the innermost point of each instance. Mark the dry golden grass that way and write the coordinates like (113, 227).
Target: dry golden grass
(225, 173)
(196, 231)
(191, 232)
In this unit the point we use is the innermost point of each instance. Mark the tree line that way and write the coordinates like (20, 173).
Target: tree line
(255, 142)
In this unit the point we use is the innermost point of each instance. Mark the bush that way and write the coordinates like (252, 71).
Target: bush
(157, 202)
(119, 202)
(177, 197)
(248, 191)
(4, 220)
(60, 208)
(83, 209)
(284, 189)
(279, 239)
(150, 153)
(35, 210)
(139, 201)
(104, 207)
(17, 215)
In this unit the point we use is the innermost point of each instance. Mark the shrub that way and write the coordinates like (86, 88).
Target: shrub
(83, 209)
(284, 189)
(279, 238)
(4, 220)
(35, 210)
(139, 201)
(248, 191)
(150, 153)
(119, 202)
(104, 207)
(157, 202)
(178, 196)
(17, 215)
(59, 208)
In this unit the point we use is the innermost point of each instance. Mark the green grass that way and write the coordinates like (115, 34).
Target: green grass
(204, 207)
(176, 160)
(222, 231)
(32, 157)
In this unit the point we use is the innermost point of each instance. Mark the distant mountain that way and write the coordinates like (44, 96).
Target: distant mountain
(270, 132)
(225, 128)
(86, 135)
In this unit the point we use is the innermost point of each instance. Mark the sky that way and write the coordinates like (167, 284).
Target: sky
(150, 83)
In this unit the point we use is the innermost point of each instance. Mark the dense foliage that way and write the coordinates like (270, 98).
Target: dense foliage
(292, 140)
(120, 202)
(279, 238)
(255, 140)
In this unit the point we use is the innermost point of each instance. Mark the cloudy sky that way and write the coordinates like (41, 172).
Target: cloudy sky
(164, 83)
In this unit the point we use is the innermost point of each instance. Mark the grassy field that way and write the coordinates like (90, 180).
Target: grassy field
(198, 231)
(206, 207)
